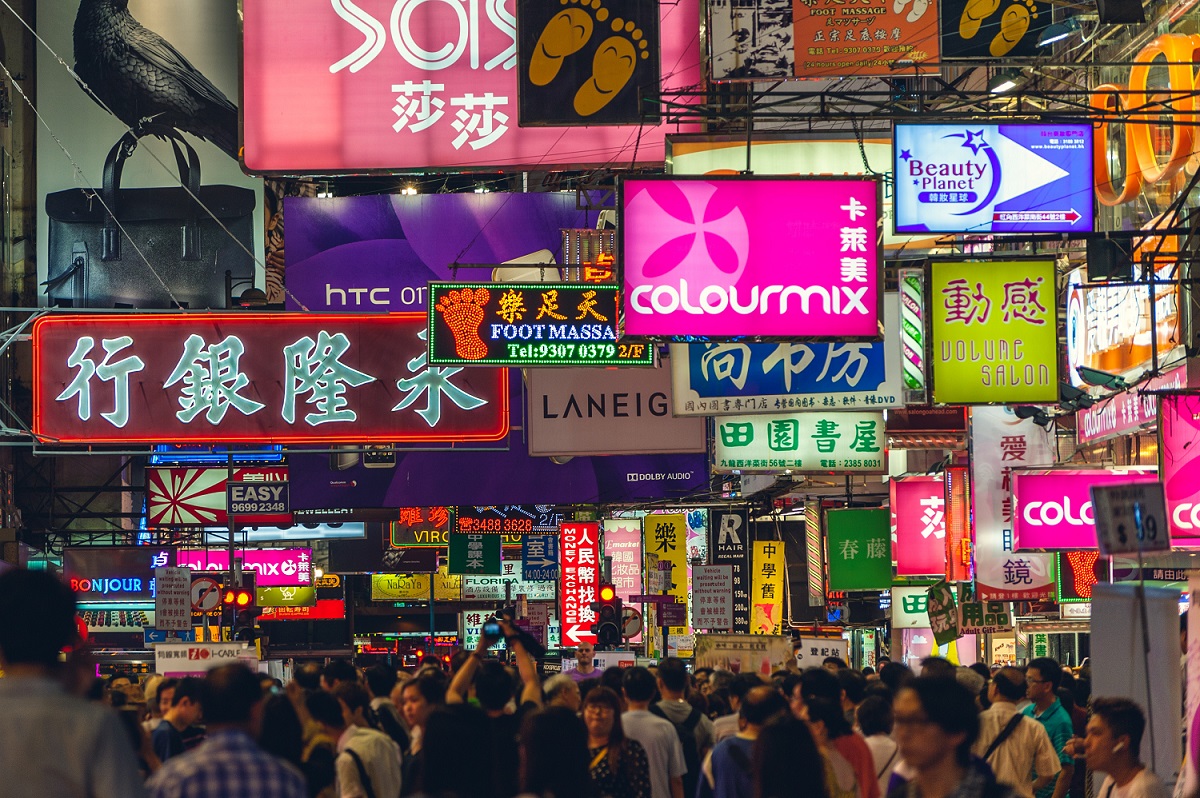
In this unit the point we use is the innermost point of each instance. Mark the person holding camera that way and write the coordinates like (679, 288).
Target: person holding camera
(494, 691)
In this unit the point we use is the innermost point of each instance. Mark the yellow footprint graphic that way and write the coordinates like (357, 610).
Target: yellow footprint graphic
(564, 35)
(612, 67)
(1013, 26)
(463, 312)
(974, 14)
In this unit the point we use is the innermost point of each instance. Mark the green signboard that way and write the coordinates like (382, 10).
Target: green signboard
(475, 554)
(286, 596)
(859, 546)
(813, 441)
(539, 324)
(943, 613)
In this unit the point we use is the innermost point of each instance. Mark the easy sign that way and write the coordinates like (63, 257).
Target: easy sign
(257, 498)
(1053, 508)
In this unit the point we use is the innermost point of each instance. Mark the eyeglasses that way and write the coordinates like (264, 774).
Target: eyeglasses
(599, 708)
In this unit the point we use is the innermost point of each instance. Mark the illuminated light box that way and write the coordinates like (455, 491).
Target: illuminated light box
(1052, 509)
(808, 442)
(975, 178)
(196, 496)
(272, 567)
(279, 377)
(541, 324)
(507, 519)
(792, 257)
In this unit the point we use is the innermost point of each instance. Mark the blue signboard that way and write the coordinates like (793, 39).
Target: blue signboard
(974, 178)
(539, 558)
(727, 378)
(166, 636)
(195, 454)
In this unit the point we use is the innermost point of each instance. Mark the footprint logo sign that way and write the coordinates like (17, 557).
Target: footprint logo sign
(463, 314)
(992, 28)
(587, 62)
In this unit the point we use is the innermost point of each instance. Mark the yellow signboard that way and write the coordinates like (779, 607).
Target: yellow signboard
(415, 587)
(766, 605)
(995, 328)
(665, 538)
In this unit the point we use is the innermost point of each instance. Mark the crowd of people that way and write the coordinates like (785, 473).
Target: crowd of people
(490, 730)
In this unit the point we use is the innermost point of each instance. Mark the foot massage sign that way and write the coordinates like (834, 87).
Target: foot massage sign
(782, 256)
(542, 324)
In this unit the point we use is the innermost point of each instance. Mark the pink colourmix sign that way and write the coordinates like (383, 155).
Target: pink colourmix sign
(1179, 464)
(334, 86)
(918, 506)
(1052, 510)
(790, 257)
(272, 567)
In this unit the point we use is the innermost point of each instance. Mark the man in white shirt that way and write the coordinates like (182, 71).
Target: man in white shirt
(657, 735)
(1113, 746)
(364, 756)
(1025, 748)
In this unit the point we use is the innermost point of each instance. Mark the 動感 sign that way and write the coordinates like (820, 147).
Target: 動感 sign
(995, 333)
(541, 324)
(279, 377)
(825, 441)
(713, 256)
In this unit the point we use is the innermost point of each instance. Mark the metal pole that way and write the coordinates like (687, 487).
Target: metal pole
(235, 571)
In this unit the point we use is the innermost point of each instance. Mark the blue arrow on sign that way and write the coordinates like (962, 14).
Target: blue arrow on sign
(539, 558)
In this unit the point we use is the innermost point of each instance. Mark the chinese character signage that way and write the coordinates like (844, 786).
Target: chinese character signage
(1052, 509)
(173, 598)
(719, 379)
(712, 597)
(623, 543)
(812, 651)
(860, 549)
(909, 610)
(985, 617)
(1127, 411)
(1078, 573)
(970, 31)
(540, 324)
(969, 178)
(572, 70)
(105, 573)
(579, 546)
(605, 412)
(729, 544)
(415, 587)
(767, 594)
(943, 613)
(1179, 465)
(267, 377)
(539, 558)
(323, 610)
(995, 333)
(423, 85)
(918, 516)
(808, 442)
(759, 39)
(272, 567)
(474, 553)
(505, 519)
(665, 535)
(420, 526)
(743, 653)
(196, 496)
(714, 257)
(1001, 442)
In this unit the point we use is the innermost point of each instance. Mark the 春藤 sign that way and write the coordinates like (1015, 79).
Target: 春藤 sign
(812, 441)
(280, 377)
(542, 324)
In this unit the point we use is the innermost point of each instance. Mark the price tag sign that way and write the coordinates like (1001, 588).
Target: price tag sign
(1131, 517)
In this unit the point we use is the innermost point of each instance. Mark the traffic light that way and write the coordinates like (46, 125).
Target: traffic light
(239, 598)
(607, 627)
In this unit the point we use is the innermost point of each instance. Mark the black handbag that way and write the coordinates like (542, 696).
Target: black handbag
(99, 259)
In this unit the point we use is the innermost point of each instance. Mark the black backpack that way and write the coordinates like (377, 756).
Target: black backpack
(386, 722)
(686, 731)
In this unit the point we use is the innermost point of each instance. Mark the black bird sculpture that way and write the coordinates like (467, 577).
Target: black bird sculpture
(144, 80)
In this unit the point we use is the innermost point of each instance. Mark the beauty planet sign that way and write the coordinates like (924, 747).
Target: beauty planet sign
(714, 256)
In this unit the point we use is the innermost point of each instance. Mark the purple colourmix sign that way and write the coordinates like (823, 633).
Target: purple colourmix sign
(1053, 509)
(762, 256)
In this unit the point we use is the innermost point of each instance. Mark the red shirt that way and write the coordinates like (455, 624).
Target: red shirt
(854, 749)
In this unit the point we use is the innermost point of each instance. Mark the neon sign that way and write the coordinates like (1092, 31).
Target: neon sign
(543, 324)
(508, 519)
(280, 377)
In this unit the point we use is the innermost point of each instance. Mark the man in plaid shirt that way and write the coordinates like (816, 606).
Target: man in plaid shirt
(229, 764)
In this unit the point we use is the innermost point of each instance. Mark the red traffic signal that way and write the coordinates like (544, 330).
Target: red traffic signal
(238, 597)
(607, 627)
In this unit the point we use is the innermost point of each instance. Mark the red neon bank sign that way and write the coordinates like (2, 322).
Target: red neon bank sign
(270, 378)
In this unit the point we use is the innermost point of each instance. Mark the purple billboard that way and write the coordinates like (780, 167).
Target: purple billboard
(377, 253)
(484, 474)
(792, 257)
(1052, 509)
